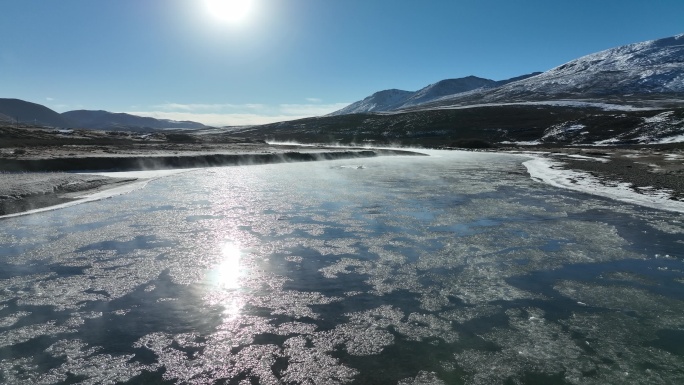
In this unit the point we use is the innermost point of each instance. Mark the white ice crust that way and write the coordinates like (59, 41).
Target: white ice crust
(549, 171)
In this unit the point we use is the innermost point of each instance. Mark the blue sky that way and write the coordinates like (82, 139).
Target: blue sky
(287, 59)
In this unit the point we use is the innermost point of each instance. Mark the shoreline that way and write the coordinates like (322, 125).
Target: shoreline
(644, 177)
(134, 162)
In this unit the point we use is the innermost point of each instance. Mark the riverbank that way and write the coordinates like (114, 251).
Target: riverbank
(649, 177)
(44, 177)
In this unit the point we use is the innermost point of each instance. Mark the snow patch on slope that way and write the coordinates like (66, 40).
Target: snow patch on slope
(564, 132)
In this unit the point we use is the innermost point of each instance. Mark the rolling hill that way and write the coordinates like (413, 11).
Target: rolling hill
(16, 111)
(104, 120)
(395, 100)
(31, 113)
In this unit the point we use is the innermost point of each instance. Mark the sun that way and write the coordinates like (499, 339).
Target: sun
(231, 11)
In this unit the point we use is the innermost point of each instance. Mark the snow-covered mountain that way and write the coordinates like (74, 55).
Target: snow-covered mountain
(655, 66)
(646, 69)
(392, 100)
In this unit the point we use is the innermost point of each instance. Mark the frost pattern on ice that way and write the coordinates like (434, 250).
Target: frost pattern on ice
(466, 267)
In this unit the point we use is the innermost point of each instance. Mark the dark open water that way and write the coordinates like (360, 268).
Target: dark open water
(450, 269)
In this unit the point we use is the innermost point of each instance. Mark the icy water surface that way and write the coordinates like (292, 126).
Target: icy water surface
(451, 269)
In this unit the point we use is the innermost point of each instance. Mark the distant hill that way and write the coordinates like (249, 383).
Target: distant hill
(486, 125)
(32, 113)
(394, 100)
(104, 120)
(13, 110)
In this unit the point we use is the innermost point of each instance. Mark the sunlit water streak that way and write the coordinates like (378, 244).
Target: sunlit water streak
(450, 269)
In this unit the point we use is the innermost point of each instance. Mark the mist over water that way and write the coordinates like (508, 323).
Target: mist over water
(449, 269)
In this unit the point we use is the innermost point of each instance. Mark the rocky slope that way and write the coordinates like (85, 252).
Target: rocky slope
(492, 125)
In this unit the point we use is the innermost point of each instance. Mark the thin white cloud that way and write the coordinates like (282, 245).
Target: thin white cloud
(314, 100)
(49, 99)
(62, 107)
(311, 109)
(214, 119)
(237, 114)
(207, 107)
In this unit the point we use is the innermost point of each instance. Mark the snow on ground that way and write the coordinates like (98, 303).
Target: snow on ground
(555, 103)
(523, 143)
(660, 118)
(551, 172)
(584, 157)
(145, 174)
(673, 157)
(671, 139)
(581, 104)
(606, 142)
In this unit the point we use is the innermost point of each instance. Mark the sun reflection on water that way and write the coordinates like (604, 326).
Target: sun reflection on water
(229, 270)
(225, 280)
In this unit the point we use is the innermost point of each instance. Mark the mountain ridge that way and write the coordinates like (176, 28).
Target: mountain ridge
(105, 120)
(395, 99)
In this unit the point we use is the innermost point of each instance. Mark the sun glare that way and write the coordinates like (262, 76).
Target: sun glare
(232, 11)
(224, 280)
(227, 274)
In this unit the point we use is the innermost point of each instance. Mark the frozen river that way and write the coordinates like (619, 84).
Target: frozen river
(456, 268)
